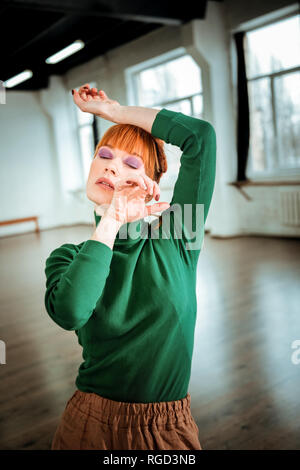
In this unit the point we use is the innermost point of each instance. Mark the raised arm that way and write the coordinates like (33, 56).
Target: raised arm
(195, 182)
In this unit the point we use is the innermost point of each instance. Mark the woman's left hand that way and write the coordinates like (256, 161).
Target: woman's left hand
(89, 100)
(129, 202)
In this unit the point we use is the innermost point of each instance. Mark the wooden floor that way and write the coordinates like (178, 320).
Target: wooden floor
(245, 389)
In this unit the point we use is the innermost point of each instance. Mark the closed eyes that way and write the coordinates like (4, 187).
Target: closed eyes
(130, 161)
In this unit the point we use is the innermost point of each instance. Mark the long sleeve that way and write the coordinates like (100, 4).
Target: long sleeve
(75, 281)
(195, 183)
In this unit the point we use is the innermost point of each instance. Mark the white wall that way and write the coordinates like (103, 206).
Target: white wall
(57, 101)
(40, 160)
(27, 178)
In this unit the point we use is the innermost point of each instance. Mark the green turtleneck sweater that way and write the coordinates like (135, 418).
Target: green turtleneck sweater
(134, 307)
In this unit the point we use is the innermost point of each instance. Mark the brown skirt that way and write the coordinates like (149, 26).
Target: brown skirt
(93, 422)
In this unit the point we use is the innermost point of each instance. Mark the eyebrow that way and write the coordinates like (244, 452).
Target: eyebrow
(134, 153)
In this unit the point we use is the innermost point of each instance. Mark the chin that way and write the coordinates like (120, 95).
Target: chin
(94, 196)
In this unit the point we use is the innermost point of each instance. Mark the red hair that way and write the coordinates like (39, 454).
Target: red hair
(131, 139)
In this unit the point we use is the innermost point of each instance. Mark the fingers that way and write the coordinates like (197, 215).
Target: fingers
(159, 207)
(85, 88)
(88, 94)
(77, 98)
(146, 184)
(156, 191)
(135, 193)
(149, 184)
(103, 94)
(142, 183)
(94, 94)
(133, 180)
(153, 188)
(86, 91)
(83, 91)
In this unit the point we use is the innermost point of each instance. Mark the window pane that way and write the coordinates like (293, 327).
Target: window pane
(183, 106)
(83, 118)
(168, 179)
(273, 48)
(87, 148)
(198, 105)
(287, 98)
(262, 143)
(173, 79)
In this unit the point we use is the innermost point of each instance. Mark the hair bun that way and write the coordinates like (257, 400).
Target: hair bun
(162, 159)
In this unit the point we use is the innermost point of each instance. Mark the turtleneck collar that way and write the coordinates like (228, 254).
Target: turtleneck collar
(136, 228)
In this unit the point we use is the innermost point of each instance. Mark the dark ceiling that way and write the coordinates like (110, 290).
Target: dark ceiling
(33, 30)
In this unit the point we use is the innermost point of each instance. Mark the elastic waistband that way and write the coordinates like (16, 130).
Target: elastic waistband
(127, 413)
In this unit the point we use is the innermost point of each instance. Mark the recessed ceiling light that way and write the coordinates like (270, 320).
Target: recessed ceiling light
(16, 79)
(66, 52)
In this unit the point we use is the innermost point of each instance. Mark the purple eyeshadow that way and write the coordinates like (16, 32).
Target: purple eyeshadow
(105, 153)
(133, 161)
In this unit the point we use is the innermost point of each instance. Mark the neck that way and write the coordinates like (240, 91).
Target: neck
(123, 235)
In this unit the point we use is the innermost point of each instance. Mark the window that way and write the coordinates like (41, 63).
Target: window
(272, 56)
(174, 84)
(87, 132)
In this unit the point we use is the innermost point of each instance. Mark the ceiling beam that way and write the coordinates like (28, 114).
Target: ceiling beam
(57, 24)
(158, 11)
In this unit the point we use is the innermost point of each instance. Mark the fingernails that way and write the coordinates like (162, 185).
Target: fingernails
(157, 197)
(72, 92)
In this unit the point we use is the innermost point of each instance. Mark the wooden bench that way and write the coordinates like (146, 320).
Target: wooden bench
(25, 219)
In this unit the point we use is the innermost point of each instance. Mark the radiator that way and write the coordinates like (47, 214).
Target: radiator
(289, 208)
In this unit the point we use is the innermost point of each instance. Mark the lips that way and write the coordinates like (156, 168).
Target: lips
(109, 184)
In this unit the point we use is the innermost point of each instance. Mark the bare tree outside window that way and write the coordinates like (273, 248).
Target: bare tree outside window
(273, 72)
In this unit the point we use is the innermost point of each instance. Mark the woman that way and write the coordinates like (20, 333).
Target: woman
(129, 291)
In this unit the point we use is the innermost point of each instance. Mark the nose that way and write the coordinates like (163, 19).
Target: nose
(111, 169)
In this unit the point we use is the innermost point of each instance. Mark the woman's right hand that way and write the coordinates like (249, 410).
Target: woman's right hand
(89, 100)
(128, 202)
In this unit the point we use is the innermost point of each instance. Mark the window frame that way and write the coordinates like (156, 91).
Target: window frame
(162, 104)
